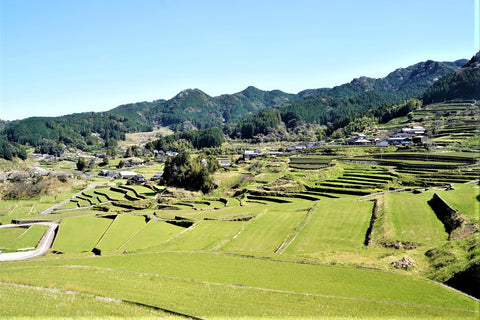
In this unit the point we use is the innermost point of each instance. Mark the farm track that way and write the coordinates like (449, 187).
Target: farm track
(64, 202)
(43, 245)
(237, 286)
(292, 236)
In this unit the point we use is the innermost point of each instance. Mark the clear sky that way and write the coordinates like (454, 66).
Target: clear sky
(65, 56)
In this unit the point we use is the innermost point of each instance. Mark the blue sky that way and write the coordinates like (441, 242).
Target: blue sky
(60, 57)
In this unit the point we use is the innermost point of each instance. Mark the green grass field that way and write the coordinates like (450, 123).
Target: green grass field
(151, 235)
(120, 231)
(466, 199)
(8, 235)
(205, 235)
(409, 218)
(79, 234)
(28, 239)
(61, 305)
(214, 286)
(267, 231)
(337, 223)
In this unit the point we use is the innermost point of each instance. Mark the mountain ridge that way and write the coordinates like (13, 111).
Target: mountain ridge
(193, 109)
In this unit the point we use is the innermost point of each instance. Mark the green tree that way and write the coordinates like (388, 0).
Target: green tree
(81, 164)
(185, 171)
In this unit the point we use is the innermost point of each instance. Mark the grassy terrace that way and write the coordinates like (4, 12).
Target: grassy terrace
(338, 223)
(29, 238)
(408, 218)
(119, 232)
(219, 285)
(80, 234)
(254, 248)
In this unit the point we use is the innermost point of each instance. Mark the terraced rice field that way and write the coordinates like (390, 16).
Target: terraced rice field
(409, 218)
(119, 232)
(219, 285)
(337, 223)
(151, 235)
(80, 234)
(29, 238)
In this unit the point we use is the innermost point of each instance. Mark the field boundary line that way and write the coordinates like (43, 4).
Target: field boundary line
(107, 299)
(104, 234)
(239, 286)
(129, 239)
(296, 231)
(239, 231)
(52, 208)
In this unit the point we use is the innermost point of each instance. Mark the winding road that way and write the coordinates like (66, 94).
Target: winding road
(43, 245)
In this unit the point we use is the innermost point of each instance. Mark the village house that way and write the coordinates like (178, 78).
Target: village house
(137, 179)
(156, 176)
(415, 130)
(125, 174)
(107, 173)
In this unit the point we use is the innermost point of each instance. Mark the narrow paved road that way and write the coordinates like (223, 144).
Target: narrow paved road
(50, 210)
(43, 245)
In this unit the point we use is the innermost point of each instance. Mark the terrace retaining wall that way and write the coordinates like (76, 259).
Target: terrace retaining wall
(446, 214)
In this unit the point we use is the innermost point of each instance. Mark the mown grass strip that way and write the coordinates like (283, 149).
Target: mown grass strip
(58, 304)
(8, 235)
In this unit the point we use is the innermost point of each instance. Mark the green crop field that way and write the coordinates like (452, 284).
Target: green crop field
(409, 218)
(121, 230)
(152, 234)
(28, 239)
(8, 235)
(61, 305)
(337, 223)
(465, 198)
(79, 234)
(267, 231)
(213, 286)
(205, 235)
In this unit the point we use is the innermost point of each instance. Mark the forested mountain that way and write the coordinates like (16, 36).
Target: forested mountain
(193, 109)
(82, 131)
(366, 93)
(461, 84)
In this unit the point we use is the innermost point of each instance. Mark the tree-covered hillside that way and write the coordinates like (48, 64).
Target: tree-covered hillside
(81, 131)
(366, 93)
(193, 109)
(461, 84)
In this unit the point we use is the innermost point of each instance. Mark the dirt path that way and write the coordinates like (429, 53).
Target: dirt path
(50, 210)
(43, 245)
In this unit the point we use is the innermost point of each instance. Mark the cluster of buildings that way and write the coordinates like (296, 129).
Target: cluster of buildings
(250, 154)
(404, 136)
(131, 176)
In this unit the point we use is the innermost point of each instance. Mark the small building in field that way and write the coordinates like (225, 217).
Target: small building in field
(156, 176)
(107, 173)
(126, 174)
(250, 154)
(224, 163)
(137, 179)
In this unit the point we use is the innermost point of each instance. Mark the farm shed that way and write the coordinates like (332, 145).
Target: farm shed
(126, 174)
(137, 179)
